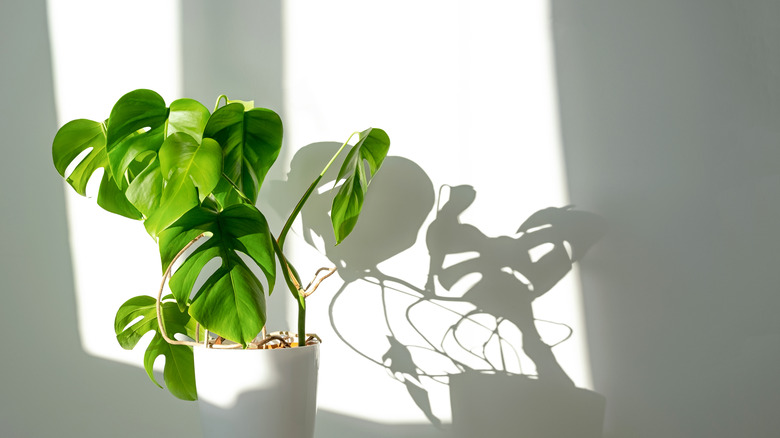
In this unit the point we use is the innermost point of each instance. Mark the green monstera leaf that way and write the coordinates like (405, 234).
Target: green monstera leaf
(190, 170)
(141, 125)
(86, 139)
(250, 141)
(179, 370)
(146, 189)
(371, 149)
(231, 302)
(114, 199)
(135, 127)
(135, 131)
(187, 116)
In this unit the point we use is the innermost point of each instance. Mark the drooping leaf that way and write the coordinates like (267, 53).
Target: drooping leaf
(231, 302)
(370, 150)
(179, 370)
(250, 141)
(191, 170)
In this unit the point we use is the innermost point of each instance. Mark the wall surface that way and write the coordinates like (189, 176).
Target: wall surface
(656, 120)
(50, 386)
(670, 124)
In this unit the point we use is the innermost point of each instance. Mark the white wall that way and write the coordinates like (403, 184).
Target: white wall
(50, 386)
(670, 126)
(666, 131)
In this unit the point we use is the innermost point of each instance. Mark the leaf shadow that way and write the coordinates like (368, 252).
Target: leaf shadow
(471, 315)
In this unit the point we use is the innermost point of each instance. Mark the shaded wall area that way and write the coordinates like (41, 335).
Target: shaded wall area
(669, 123)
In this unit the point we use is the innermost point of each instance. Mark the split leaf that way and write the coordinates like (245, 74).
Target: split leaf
(179, 370)
(136, 126)
(231, 302)
(87, 139)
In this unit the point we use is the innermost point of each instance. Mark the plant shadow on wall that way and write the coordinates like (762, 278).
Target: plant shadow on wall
(469, 323)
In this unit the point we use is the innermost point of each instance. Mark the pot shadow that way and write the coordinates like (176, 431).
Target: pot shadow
(469, 324)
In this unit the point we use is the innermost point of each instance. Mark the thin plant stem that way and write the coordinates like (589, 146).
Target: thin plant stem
(294, 285)
(158, 306)
(219, 99)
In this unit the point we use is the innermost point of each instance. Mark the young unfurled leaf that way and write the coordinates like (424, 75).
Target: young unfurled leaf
(179, 370)
(231, 302)
(370, 149)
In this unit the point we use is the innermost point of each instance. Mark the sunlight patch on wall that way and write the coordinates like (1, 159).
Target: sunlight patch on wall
(466, 91)
(102, 50)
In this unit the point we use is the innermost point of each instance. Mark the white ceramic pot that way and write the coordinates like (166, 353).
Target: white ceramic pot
(257, 393)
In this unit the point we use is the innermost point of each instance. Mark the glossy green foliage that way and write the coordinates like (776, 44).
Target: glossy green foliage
(134, 128)
(74, 138)
(186, 172)
(179, 370)
(231, 302)
(250, 141)
(190, 169)
(86, 139)
(156, 163)
(360, 166)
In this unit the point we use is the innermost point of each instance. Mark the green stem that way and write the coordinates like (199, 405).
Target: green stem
(305, 197)
(293, 282)
(219, 99)
(238, 190)
(301, 325)
(283, 235)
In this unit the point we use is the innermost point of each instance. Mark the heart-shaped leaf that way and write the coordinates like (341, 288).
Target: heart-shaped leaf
(179, 370)
(73, 139)
(231, 302)
(188, 116)
(250, 141)
(191, 170)
(136, 126)
(371, 149)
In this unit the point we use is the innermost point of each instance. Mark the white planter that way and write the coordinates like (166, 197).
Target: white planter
(257, 393)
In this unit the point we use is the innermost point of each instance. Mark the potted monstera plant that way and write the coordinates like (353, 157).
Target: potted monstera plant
(192, 177)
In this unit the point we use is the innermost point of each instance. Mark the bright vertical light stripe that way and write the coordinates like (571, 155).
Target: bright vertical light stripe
(102, 50)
